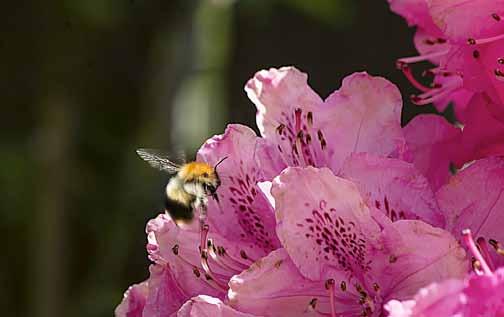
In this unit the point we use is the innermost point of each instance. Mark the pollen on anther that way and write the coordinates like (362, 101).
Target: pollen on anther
(392, 258)
(343, 286)
(496, 17)
(471, 41)
(175, 249)
(243, 254)
(196, 272)
(500, 60)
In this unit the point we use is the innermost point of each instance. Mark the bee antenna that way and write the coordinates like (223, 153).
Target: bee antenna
(219, 162)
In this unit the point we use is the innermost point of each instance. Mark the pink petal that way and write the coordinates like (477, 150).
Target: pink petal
(483, 134)
(318, 215)
(393, 187)
(474, 199)
(244, 216)
(133, 301)
(440, 300)
(434, 143)
(302, 130)
(289, 116)
(170, 245)
(477, 295)
(362, 109)
(411, 262)
(206, 306)
(416, 12)
(165, 293)
(462, 19)
(273, 287)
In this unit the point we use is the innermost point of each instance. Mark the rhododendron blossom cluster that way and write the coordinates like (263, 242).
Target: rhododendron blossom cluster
(335, 209)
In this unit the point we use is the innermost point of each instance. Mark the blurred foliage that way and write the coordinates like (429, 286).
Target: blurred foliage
(86, 82)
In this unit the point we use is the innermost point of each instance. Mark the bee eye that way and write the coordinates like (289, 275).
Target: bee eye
(205, 175)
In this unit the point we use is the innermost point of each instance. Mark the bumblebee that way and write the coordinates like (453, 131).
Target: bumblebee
(189, 187)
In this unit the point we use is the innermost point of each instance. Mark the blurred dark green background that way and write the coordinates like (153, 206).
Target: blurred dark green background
(85, 82)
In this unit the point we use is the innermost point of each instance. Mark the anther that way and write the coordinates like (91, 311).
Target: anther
(392, 258)
(309, 118)
(280, 128)
(243, 255)
(376, 287)
(196, 272)
(500, 60)
(343, 286)
(476, 54)
(498, 73)
(429, 42)
(471, 41)
(496, 17)
(329, 285)
(175, 249)
(441, 40)
(313, 303)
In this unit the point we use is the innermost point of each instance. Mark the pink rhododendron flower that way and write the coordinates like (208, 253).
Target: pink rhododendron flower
(476, 295)
(341, 239)
(301, 129)
(339, 260)
(465, 39)
(242, 230)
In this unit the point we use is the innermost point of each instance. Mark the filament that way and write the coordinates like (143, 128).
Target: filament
(483, 246)
(469, 241)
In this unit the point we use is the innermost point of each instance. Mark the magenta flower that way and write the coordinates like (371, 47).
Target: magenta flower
(242, 230)
(301, 129)
(476, 295)
(465, 40)
(339, 260)
(319, 243)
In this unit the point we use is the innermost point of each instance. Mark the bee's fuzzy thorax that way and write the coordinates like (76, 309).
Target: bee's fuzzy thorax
(194, 170)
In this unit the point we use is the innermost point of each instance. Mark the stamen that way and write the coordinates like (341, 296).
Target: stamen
(409, 75)
(469, 241)
(472, 41)
(483, 246)
(195, 269)
(219, 260)
(420, 58)
(329, 285)
(496, 17)
(209, 274)
(436, 94)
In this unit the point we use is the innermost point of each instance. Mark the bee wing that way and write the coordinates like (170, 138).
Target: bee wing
(158, 160)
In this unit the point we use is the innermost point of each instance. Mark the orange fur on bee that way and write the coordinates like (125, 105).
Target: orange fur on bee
(194, 170)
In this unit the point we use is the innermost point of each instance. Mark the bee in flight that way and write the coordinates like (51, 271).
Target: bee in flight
(189, 187)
